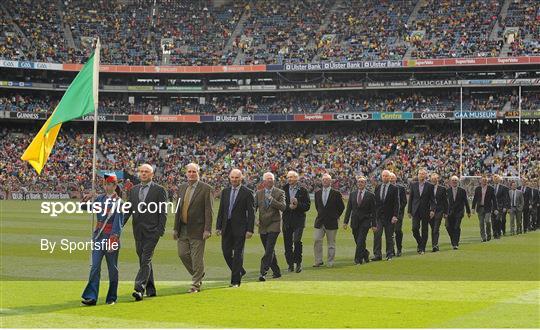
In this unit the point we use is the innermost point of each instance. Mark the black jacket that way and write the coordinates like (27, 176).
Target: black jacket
(147, 225)
(328, 215)
(297, 217)
(387, 208)
(242, 215)
(441, 200)
(362, 215)
(490, 202)
(421, 205)
(503, 196)
(402, 197)
(455, 207)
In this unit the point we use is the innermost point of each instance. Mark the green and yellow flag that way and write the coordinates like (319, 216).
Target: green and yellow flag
(81, 98)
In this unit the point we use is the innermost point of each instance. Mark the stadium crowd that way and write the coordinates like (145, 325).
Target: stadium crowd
(345, 153)
(136, 32)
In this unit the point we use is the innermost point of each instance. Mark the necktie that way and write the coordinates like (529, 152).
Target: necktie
(454, 192)
(421, 188)
(185, 204)
(360, 197)
(325, 196)
(142, 193)
(231, 202)
(483, 195)
(267, 198)
(435, 191)
(513, 198)
(496, 189)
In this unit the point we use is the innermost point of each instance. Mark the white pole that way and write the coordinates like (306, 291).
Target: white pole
(519, 134)
(460, 132)
(94, 150)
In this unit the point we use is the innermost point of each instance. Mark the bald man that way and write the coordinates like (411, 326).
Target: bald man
(235, 223)
(193, 224)
(148, 227)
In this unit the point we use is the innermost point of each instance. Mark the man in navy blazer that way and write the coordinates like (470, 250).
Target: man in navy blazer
(421, 209)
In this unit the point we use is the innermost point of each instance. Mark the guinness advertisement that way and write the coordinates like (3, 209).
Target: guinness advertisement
(433, 115)
(44, 116)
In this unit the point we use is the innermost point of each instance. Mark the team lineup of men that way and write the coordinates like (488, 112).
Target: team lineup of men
(284, 210)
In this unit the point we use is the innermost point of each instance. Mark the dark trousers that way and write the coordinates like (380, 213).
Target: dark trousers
(453, 226)
(398, 231)
(496, 224)
(526, 218)
(386, 226)
(435, 225)
(292, 239)
(360, 235)
(502, 222)
(420, 230)
(144, 281)
(269, 259)
(233, 252)
(534, 218)
(92, 288)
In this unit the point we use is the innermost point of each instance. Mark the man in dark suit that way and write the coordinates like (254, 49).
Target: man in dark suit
(441, 210)
(503, 204)
(457, 201)
(421, 209)
(402, 200)
(235, 223)
(329, 205)
(484, 203)
(526, 190)
(271, 202)
(193, 224)
(148, 227)
(361, 213)
(294, 220)
(535, 205)
(387, 209)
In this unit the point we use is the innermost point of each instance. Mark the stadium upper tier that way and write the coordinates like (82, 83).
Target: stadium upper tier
(181, 32)
(309, 103)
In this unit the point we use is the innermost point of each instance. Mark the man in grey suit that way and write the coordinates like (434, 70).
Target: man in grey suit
(148, 227)
(516, 208)
(193, 224)
(271, 203)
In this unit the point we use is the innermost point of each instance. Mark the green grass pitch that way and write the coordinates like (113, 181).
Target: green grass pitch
(494, 284)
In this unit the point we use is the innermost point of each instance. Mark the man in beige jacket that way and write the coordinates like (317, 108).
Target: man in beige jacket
(271, 203)
(193, 224)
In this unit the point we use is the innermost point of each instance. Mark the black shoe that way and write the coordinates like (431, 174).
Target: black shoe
(435, 249)
(497, 237)
(290, 269)
(357, 262)
(484, 240)
(137, 295)
(112, 302)
(151, 294)
(366, 258)
(454, 247)
(262, 278)
(298, 268)
(276, 275)
(88, 302)
(318, 264)
(389, 257)
(242, 273)
(376, 259)
(398, 253)
(422, 252)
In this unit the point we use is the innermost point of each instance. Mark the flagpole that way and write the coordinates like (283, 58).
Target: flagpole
(94, 139)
